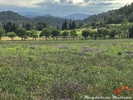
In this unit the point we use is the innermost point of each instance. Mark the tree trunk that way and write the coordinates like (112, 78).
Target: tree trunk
(85, 37)
(11, 38)
(73, 37)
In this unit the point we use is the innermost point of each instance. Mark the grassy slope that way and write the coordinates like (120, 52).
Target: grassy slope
(65, 69)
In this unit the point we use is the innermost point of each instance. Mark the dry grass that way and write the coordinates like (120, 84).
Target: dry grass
(5, 38)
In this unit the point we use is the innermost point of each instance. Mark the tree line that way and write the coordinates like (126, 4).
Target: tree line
(110, 33)
(10, 29)
(55, 33)
(34, 33)
(123, 30)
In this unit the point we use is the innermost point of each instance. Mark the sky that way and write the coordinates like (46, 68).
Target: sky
(62, 7)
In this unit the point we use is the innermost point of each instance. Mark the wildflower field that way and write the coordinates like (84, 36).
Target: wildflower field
(62, 70)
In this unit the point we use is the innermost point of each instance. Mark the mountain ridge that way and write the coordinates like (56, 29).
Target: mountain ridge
(77, 16)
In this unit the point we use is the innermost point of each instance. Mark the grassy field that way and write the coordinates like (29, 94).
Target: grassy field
(74, 69)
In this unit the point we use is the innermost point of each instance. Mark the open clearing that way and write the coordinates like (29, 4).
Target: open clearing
(36, 70)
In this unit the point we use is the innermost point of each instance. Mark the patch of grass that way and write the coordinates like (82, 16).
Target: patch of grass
(64, 69)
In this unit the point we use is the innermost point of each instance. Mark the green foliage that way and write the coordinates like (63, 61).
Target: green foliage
(72, 25)
(65, 34)
(33, 34)
(69, 25)
(11, 35)
(73, 33)
(7, 16)
(131, 32)
(28, 26)
(112, 33)
(22, 33)
(103, 32)
(10, 27)
(95, 34)
(94, 18)
(85, 34)
(1, 33)
(117, 16)
(65, 25)
(55, 33)
(41, 25)
(45, 32)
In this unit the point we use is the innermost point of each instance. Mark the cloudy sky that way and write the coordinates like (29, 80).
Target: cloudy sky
(62, 7)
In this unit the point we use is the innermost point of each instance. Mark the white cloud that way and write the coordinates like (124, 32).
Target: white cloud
(21, 3)
(33, 3)
(64, 2)
(62, 7)
(109, 1)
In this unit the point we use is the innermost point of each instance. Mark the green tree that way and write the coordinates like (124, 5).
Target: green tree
(65, 34)
(55, 33)
(41, 25)
(91, 34)
(10, 27)
(95, 34)
(100, 34)
(125, 25)
(1, 33)
(85, 34)
(22, 33)
(104, 33)
(28, 26)
(45, 32)
(113, 32)
(131, 32)
(73, 25)
(33, 34)
(73, 33)
(11, 35)
(65, 25)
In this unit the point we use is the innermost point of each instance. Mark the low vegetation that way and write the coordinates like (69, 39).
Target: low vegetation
(74, 69)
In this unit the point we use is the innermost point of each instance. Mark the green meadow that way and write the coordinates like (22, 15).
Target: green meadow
(65, 69)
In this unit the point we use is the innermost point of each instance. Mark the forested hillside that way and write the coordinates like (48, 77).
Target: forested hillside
(95, 18)
(55, 21)
(113, 16)
(117, 16)
(6, 16)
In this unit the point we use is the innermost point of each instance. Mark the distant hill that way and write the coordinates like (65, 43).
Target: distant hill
(55, 21)
(113, 16)
(30, 14)
(77, 16)
(6, 16)
(95, 18)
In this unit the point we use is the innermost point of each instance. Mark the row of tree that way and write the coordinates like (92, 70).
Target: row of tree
(111, 33)
(122, 31)
(12, 27)
(55, 33)
(46, 32)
